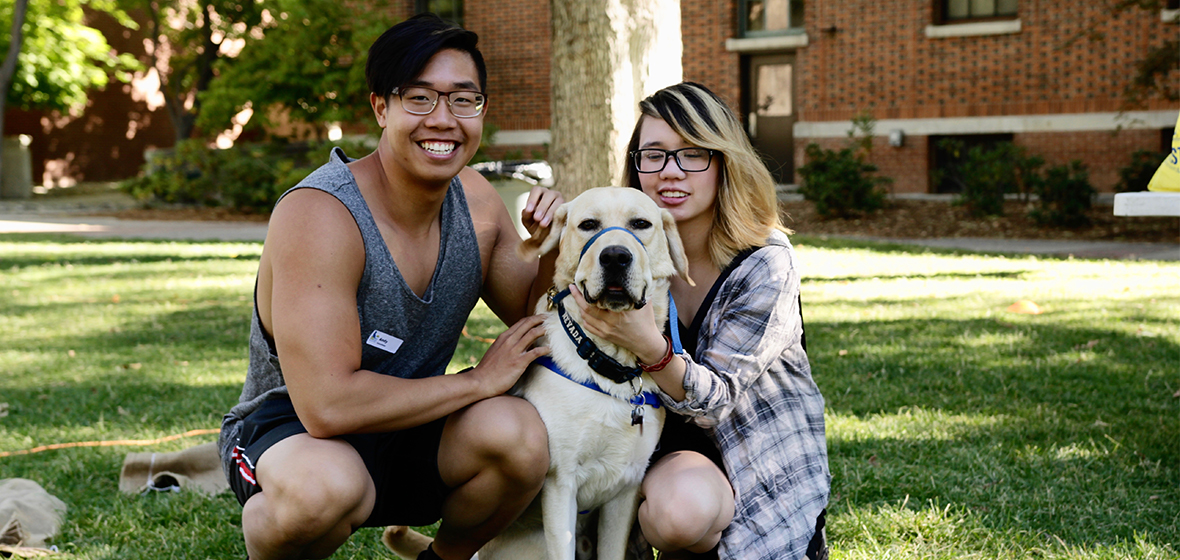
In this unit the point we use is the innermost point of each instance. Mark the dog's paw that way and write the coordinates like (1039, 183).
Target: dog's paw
(404, 541)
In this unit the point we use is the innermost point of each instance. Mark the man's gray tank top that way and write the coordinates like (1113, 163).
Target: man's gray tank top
(404, 335)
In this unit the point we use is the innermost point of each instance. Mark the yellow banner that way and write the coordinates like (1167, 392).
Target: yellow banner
(1167, 177)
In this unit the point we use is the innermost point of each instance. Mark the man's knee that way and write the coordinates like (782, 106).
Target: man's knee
(315, 495)
(507, 432)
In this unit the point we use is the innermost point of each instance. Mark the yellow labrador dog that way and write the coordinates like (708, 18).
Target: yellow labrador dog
(598, 405)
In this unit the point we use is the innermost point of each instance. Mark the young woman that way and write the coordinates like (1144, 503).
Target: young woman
(742, 468)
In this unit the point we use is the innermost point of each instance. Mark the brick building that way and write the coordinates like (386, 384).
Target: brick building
(1028, 71)
(1048, 76)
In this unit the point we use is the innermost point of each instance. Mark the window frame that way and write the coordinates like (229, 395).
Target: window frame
(940, 17)
(743, 21)
(421, 6)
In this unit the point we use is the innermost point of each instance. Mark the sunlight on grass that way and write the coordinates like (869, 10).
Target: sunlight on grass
(910, 423)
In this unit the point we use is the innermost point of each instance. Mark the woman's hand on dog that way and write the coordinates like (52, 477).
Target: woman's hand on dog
(634, 330)
(509, 355)
(539, 209)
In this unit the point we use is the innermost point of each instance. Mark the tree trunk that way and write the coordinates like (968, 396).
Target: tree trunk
(8, 69)
(607, 55)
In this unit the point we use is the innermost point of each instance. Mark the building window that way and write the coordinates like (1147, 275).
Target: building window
(450, 10)
(955, 11)
(1173, 5)
(771, 17)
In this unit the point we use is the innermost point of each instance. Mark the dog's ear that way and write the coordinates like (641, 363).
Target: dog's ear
(675, 247)
(545, 238)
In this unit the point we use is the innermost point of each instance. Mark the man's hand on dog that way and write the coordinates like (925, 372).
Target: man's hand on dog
(510, 354)
(539, 209)
(634, 330)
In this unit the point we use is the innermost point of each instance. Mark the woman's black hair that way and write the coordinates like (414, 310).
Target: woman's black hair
(400, 54)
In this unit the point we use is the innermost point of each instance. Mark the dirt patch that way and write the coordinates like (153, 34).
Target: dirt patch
(932, 219)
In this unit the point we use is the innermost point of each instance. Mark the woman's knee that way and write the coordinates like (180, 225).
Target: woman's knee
(689, 523)
(688, 503)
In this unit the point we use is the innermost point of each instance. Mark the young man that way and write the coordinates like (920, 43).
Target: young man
(369, 271)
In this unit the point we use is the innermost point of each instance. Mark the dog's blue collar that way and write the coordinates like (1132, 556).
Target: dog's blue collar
(645, 398)
(598, 361)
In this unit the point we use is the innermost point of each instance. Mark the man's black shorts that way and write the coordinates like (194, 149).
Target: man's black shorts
(403, 465)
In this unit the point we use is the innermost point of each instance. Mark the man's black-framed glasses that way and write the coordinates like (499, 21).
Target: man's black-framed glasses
(690, 160)
(418, 100)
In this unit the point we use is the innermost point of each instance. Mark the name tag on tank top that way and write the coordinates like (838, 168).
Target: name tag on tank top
(386, 342)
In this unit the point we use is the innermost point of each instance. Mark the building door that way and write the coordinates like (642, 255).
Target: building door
(770, 112)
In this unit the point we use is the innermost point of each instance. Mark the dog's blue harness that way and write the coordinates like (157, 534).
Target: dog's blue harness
(647, 397)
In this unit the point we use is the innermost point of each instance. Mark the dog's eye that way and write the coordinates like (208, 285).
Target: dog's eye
(588, 225)
(640, 223)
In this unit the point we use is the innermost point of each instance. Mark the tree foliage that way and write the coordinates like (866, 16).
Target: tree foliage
(61, 59)
(307, 57)
(186, 39)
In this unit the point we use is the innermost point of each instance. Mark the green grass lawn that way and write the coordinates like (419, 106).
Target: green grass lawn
(956, 429)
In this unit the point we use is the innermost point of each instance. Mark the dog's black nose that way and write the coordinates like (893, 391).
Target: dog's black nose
(615, 257)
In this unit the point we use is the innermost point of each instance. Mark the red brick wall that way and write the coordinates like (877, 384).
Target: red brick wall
(1103, 152)
(880, 60)
(907, 165)
(514, 38)
(704, 27)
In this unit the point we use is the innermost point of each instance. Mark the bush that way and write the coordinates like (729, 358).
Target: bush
(1137, 174)
(246, 178)
(839, 183)
(1065, 196)
(174, 176)
(986, 175)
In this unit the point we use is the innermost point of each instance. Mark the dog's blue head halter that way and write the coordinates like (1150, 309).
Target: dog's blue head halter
(586, 247)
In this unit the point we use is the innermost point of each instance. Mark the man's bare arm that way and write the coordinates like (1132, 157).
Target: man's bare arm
(512, 286)
(316, 257)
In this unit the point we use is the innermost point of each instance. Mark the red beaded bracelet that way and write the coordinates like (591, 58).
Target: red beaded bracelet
(663, 362)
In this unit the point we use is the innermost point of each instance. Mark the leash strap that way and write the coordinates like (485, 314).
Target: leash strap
(647, 397)
(674, 325)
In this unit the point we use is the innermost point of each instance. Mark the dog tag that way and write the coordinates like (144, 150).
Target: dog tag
(637, 416)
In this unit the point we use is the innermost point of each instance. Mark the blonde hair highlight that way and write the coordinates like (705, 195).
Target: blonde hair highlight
(746, 211)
